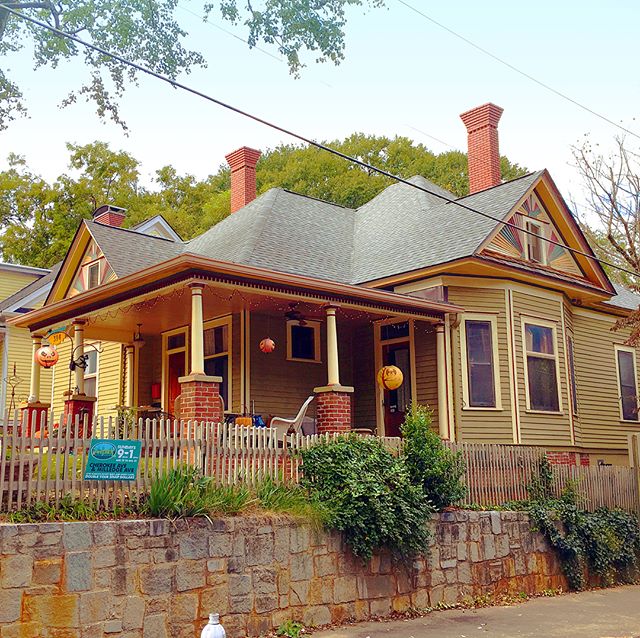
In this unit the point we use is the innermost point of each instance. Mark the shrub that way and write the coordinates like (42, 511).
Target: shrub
(368, 495)
(431, 465)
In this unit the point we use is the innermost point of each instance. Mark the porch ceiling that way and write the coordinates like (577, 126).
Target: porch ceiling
(158, 298)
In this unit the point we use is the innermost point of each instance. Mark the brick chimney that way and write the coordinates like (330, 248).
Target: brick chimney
(483, 153)
(110, 215)
(243, 176)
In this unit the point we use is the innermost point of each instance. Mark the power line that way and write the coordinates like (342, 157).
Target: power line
(304, 139)
(564, 96)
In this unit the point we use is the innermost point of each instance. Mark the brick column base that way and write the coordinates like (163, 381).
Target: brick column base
(33, 417)
(333, 409)
(200, 398)
(79, 408)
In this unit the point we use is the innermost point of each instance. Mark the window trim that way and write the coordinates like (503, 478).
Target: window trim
(94, 375)
(216, 323)
(620, 348)
(493, 321)
(534, 321)
(532, 222)
(316, 341)
(89, 266)
(166, 351)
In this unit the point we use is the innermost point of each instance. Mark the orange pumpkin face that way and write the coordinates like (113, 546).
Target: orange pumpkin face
(390, 377)
(46, 356)
(267, 345)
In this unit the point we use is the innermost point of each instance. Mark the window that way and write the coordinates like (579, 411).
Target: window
(572, 375)
(481, 378)
(93, 274)
(91, 373)
(626, 362)
(535, 250)
(541, 369)
(217, 355)
(303, 341)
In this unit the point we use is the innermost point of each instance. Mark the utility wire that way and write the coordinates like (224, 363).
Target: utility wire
(564, 96)
(304, 139)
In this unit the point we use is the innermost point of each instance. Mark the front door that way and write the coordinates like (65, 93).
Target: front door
(174, 366)
(396, 402)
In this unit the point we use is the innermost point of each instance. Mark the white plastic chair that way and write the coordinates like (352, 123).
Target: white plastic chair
(284, 425)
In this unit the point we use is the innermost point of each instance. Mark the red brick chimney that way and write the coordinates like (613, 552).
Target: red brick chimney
(243, 176)
(483, 153)
(110, 215)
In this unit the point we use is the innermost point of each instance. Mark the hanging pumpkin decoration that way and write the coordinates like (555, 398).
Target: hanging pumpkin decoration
(46, 356)
(267, 345)
(390, 377)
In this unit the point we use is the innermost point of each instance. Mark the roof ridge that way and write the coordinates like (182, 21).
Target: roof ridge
(317, 199)
(133, 231)
(515, 179)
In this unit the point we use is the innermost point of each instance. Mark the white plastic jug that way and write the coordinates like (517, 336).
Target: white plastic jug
(213, 629)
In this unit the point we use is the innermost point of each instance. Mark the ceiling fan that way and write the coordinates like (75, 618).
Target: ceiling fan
(293, 314)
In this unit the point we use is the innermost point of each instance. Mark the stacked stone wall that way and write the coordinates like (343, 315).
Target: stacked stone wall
(157, 579)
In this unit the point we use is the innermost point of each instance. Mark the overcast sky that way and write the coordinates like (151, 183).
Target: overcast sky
(402, 76)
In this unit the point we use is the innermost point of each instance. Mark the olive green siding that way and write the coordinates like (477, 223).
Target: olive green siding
(483, 426)
(426, 368)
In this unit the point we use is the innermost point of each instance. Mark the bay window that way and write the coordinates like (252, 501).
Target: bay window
(481, 378)
(541, 366)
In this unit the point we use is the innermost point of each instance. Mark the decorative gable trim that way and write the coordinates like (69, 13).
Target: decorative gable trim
(93, 270)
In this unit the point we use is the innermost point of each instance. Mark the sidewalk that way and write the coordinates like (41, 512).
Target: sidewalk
(606, 613)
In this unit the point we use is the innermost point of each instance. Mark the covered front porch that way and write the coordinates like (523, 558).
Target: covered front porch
(216, 341)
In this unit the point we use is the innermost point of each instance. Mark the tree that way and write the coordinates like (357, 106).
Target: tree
(150, 34)
(611, 220)
(40, 219)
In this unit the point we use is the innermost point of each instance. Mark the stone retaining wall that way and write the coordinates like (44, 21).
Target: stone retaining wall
(156, 579)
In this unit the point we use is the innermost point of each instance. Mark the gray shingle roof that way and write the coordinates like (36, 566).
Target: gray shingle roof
(399, 230)
(624, 298)
(129, 251)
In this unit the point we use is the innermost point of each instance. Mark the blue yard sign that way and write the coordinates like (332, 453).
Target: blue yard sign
(111, 460)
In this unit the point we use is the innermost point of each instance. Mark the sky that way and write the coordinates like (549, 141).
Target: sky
(402, 75)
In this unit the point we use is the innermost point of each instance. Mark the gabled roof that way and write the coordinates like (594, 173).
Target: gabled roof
(42, 284)
(157, 226)
(624, 298)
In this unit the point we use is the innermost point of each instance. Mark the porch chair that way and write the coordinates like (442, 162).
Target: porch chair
(284, 425)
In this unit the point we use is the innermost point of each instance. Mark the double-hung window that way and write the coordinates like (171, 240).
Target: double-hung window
(534, 242)
(303, 341)
(627, 383)
(91, 373)
(481, 377)
(541, 366)
(217, 354)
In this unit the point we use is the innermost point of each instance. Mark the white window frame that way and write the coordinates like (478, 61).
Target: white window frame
(94, 375)
(316, 341)
(493, 321)
(619, 348)
(532, 223)
(534, 321)
(89, 266)
(216, 323)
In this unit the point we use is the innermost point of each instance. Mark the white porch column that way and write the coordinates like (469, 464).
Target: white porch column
(34, 383)
(333, 364)
(78, 351)
(131, 380)
(197, 329)
(441, 363)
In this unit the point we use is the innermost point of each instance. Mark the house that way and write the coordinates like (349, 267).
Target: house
(505, 333)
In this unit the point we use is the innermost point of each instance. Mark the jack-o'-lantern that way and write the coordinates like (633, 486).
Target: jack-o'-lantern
(390, 377)
(46, 356)
(267, 345)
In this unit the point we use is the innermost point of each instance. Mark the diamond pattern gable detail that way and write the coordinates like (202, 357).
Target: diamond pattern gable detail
(93, 270)
(512, 242)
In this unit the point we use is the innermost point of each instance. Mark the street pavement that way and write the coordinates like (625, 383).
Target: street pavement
(605, 613)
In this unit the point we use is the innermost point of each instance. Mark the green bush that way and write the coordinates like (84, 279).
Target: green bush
(368, 495)
(431, 465)
(605, 543)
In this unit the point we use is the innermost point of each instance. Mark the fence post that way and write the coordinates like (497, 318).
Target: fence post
(634, 462)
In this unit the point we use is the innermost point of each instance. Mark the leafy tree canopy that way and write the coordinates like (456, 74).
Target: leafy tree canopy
(39, 219)
(151, 34)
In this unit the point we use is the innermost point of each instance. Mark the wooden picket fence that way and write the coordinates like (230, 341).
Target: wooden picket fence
(498, 474)
(45, 462)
